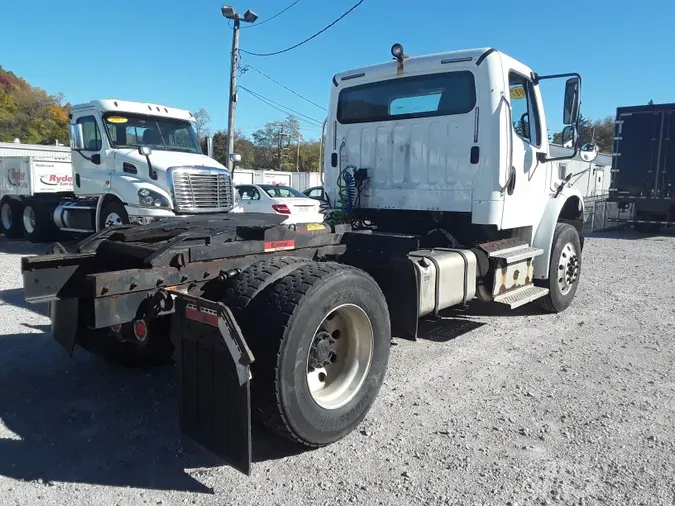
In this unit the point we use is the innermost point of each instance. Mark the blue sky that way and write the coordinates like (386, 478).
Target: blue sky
(177, 53)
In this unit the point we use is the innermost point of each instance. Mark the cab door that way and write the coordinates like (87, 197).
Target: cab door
(527, 176)
(91, 175)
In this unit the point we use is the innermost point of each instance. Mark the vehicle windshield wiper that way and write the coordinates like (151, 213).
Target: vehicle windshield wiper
(179, 148)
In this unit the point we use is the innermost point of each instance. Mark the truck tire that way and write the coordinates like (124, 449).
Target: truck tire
(320, 337)
(565, 269)
(11, 212)
(113, 213)
(37, 222)
(241, 291)
(156, 350)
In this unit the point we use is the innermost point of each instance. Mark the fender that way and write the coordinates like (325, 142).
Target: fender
(567, 207)
(99, 205)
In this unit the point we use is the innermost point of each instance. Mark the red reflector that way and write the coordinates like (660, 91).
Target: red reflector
(279, 245)
(281, 208)
(140, 329)
(201, 316)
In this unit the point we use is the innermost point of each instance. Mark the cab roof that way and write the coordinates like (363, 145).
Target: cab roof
(115, 105)
(414, 64)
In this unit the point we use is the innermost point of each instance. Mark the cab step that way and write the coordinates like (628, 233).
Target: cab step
(516, 254)
(522, 296)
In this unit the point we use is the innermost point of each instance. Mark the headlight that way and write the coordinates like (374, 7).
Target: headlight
(149, 198)
(237, 198)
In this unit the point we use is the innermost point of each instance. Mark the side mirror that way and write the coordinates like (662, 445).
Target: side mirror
(568, 136)
(76, 136)
(589, 152)
(235, 157)
(209, 146)
(145, 150)
(571, 105)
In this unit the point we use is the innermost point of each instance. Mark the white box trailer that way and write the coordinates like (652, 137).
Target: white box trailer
(30, 189)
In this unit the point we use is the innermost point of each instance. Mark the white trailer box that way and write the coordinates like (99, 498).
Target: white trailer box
(28, 176)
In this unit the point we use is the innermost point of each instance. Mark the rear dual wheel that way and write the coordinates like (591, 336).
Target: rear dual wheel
(38, 225)
(11, 212)
(320, 336)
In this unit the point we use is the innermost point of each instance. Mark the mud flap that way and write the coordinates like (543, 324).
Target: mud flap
(214, 390)
(64, 316)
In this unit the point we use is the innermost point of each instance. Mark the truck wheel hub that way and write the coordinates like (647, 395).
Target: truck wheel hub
(568, 268)
(324, 350)
(113, 219)
(339, 357)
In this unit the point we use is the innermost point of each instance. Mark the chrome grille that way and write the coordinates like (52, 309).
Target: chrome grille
(208, 190)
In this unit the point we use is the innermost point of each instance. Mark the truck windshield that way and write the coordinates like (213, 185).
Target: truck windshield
(133, 130)
(408, 97)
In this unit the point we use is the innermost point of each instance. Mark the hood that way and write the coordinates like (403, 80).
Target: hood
(162, 160)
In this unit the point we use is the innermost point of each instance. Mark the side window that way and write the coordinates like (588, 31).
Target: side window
(316, 193)
(524, 111)
(90, 133)
(248, 193)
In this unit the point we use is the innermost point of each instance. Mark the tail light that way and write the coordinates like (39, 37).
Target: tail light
(281, 208)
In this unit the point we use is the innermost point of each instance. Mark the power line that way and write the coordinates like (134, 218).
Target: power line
(308, 119)
(266, 20)
(308, 38)
(269, 102)
(248, 65)
(270, 19)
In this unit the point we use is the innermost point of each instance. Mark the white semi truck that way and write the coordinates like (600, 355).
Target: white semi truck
(132, 162)
(443, 192)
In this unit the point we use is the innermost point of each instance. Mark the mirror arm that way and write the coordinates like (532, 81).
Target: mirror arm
(536, 77)
(152, 173)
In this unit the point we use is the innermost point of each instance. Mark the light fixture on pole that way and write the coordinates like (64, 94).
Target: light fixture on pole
(249, 17)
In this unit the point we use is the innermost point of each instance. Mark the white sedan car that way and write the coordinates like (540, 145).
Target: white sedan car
(284, 200)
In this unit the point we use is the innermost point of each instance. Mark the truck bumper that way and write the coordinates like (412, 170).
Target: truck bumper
(144, 215)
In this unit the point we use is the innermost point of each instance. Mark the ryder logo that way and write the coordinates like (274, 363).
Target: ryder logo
(56, 180)
(16, 177)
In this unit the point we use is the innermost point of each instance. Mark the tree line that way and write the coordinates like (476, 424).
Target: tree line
(279, 145)
(30, 113)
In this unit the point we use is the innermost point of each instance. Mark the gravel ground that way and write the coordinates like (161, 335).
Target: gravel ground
(487, 408)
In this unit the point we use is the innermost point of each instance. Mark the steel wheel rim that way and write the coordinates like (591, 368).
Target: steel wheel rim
(340, 356)
(6, 216)
(568, 268)
(113, 219)
(29, 219)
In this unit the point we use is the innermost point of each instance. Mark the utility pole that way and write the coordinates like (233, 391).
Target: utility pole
(281, 140)
(232, 108)
(249, 17)
(297, 156)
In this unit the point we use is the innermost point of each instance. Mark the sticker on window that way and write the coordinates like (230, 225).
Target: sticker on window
(116, 119)
(518, 92)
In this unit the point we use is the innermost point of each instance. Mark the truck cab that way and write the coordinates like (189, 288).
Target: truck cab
(136, 162)
(453, 147)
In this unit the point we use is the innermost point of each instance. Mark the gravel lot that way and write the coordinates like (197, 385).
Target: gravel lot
(487, 408)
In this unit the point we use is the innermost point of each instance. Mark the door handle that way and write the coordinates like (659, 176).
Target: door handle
(77, 180)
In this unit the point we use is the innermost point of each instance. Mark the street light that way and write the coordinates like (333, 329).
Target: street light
(249, 17)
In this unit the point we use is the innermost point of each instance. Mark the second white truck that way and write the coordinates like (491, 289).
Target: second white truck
(132, 162)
